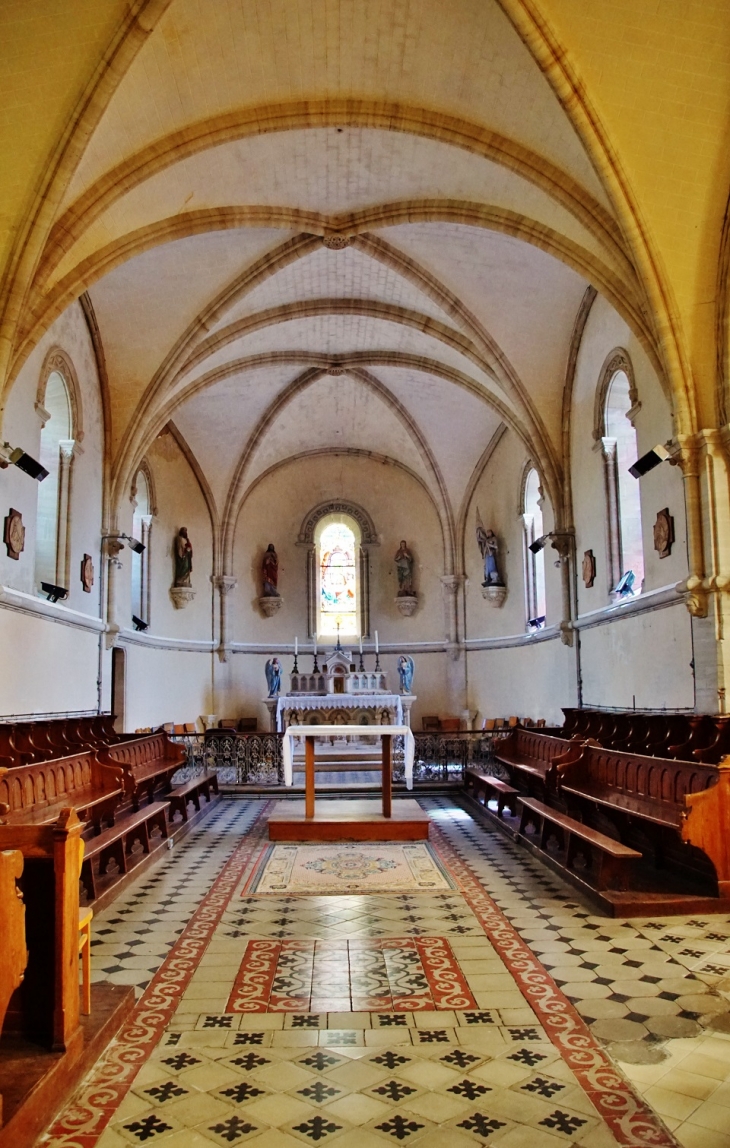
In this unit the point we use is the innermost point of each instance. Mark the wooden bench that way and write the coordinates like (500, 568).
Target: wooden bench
(531, 758)
(117, 842)
(36, 794)
(609, 862)
(181, 795)
(483, 786)
(148, 763)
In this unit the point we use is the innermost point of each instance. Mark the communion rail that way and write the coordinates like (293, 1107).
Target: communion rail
(256, 758)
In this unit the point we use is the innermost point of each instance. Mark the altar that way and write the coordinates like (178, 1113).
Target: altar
(340, 693)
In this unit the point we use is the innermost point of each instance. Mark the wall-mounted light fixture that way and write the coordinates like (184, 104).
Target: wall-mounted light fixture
(649, 460)
(54, 593)
(18, 457)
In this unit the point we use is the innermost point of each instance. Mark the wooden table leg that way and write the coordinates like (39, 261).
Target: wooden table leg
(387, 775)
(309, 778)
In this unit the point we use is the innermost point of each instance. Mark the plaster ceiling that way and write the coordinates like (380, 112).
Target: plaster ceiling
(391, 186)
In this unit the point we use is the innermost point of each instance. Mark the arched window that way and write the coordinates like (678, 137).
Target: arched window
(534, 563)
(625, 541)
(142, 530)
(53, 534)
(337, 546)
(338, 568)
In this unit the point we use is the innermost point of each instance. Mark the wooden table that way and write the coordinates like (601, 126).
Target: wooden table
(310, 732)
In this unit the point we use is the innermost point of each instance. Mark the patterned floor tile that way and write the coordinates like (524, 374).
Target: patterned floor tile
(524, 1059)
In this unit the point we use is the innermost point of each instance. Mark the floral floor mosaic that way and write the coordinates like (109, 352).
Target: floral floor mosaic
(546, 1024)
(381, 868)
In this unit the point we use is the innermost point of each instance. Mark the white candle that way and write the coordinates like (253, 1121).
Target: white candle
(377, 648)
(315, 645)
(361, 645)
(296, 647)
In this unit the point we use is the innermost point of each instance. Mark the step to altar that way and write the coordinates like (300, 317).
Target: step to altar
(338, 819)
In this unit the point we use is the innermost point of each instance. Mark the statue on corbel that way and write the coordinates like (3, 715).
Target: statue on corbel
(270, 600)
(494, 589)
(406, 599)
(181, 590)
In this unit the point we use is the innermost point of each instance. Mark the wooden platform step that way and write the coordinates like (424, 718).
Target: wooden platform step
(348, 820)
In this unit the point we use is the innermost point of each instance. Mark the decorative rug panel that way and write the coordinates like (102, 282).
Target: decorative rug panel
(345, 868)
(400, 974)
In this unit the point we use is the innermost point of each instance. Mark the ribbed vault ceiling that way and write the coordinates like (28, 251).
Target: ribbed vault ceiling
(335, 226)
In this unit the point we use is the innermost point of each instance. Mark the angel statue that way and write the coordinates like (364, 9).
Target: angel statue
(405, 673)
(488, 548)
(273, 676)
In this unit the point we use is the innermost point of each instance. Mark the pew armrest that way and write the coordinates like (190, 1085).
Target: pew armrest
(706, 824)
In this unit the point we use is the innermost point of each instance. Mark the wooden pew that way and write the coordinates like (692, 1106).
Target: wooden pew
(643, 799)
(36, 794)
(148, 763)
(12, 931)
(46, 1006)
(531, 757)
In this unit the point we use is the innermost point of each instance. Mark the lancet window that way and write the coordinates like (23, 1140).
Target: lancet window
(623, 495)
(534, 564)
(53, 521)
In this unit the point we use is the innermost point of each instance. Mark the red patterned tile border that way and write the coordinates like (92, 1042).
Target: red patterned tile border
(82, 1121)
(252, 987)
(446, 981)
(631, 1120)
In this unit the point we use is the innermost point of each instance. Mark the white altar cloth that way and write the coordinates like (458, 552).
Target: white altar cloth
(293, 731)
(335, 702)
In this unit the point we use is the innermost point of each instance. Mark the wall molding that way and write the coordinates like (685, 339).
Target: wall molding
(23, 603)
(549, 634)
(660, 599)
(160, 642)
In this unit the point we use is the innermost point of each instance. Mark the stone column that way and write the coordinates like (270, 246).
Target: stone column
(450, 585)
(224, 584)
(145, 587)
(63, 535)
(613, 548)
(114, 547)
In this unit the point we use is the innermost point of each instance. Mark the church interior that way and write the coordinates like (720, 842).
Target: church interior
(365, 490)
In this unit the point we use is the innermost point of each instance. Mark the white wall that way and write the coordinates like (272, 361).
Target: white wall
(528, 681)
(55, 667)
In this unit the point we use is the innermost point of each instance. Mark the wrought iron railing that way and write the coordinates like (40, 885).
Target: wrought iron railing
(256, 758)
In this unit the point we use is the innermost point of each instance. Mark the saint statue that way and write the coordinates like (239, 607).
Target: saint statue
(273, 676)
(183, 558)
(405, 673)
(488, 548)
(404, 567)
(270, 569)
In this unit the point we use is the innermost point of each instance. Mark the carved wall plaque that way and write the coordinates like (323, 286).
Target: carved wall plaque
(87, 573)
(589, 569)
(14, 534)
(664, 533)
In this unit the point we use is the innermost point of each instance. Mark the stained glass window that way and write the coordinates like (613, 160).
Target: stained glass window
(337, 580)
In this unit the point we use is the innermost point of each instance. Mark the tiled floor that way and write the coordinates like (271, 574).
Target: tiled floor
(558, 998)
